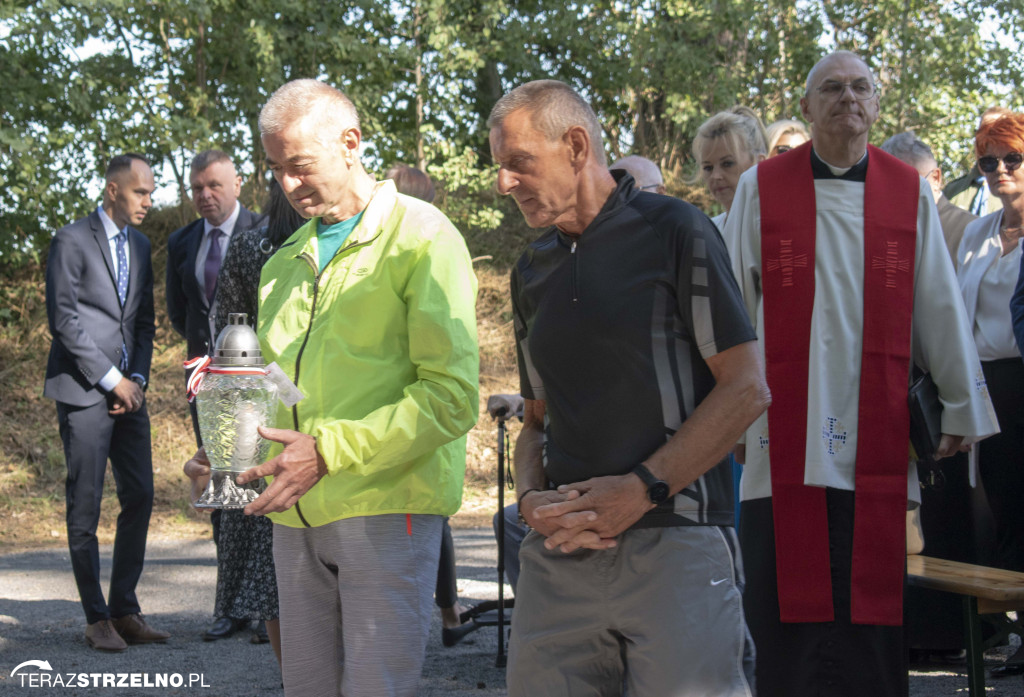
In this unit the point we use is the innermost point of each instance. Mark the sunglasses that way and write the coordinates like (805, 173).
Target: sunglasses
(779, 149)
(990, 164)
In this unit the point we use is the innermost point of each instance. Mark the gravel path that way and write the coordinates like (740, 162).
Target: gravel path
(41, 620)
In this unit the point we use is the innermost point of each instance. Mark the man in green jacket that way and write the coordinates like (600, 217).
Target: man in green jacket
(370, 309)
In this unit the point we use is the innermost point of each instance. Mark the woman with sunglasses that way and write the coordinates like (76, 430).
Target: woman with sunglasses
(726, 146)
(784, 135)
(988, 261)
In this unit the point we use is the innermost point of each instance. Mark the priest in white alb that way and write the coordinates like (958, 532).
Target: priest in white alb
(840, 257)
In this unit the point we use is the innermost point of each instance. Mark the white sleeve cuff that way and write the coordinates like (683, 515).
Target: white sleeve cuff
(109, 381)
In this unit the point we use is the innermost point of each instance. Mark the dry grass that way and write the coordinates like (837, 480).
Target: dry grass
(31, 456)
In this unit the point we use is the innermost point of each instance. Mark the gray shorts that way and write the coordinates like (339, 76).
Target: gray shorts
(657, 616)
(356, 600)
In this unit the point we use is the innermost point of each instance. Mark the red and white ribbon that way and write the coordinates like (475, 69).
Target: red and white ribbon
(202, 365)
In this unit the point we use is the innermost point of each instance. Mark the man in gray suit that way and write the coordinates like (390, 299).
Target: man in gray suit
(99, 302)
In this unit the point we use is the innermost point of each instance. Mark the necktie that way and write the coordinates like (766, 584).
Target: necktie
(122, 267)
(122, 284)
(979, 206)
(212, 266)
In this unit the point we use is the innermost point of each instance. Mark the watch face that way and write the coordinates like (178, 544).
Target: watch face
(658, 492)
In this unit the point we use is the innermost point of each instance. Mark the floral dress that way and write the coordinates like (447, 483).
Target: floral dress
(246, 585)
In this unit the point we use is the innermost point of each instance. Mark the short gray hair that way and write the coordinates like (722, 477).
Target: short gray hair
(209, 157)
(911, 149)
(554, 108)
(740, 125)
(297, 100)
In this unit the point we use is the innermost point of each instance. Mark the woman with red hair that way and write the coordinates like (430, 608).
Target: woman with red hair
(988, 262)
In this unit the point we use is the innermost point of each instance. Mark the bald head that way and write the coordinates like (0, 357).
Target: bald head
(644, 172)
(824, 63)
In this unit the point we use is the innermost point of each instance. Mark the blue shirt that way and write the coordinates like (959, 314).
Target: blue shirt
(330, 238)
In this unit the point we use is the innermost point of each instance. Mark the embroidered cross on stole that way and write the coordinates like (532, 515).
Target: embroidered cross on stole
(788, 229)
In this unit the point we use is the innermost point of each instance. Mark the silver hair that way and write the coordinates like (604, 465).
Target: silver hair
(644, 172)
(554, 108)
(297, 100)
(740, 125)
(911, 149)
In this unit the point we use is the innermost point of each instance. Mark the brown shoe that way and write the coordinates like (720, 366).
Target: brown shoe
(103, 637)
(135, 630)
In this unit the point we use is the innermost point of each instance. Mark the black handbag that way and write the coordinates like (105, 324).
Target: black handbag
(925, 415)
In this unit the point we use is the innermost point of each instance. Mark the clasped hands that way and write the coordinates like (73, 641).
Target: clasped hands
(127, 397)
(295, 470)
(588, 514)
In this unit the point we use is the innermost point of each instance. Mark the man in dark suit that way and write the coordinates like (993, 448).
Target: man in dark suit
(99, 302)
(195, 252)
(194, 256)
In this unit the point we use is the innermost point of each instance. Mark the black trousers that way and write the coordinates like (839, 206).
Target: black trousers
(819, 659)
(934, 620)
(90, 435)
(446, 592)
(1001, 461)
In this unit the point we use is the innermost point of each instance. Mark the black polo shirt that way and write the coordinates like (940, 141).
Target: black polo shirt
(612, 329)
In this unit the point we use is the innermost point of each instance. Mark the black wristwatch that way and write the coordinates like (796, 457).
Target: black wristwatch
(139, 380)
(657, 490)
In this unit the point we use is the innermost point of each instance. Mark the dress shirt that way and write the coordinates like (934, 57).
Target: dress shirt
(227, 227)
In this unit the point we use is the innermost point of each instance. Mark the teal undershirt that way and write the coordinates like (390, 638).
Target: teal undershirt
(330, 238)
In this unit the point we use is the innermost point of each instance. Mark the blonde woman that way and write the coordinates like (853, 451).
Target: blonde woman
(726, 146)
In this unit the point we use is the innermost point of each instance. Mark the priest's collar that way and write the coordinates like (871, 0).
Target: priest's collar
(823, 170)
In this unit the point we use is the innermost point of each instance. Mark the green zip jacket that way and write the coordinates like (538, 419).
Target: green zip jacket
(383, 346)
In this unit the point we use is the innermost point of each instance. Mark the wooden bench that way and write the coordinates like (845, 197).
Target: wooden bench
(986, 592)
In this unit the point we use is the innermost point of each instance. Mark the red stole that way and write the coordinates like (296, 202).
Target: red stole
(788, 229)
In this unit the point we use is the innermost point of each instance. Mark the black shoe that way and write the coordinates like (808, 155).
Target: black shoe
(259, 634)
(224, 627)
(452, 636)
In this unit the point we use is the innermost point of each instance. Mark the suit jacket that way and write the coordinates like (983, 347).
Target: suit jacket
(187, 307)
(87, 321)
(1017, 310)
(953, 220)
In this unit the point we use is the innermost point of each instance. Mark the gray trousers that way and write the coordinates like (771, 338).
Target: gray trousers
(660, 615)
(356, 601)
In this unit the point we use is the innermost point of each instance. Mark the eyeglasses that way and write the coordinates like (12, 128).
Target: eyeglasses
(990, 163)
(833, 89)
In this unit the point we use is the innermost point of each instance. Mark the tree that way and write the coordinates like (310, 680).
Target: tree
(85, 80)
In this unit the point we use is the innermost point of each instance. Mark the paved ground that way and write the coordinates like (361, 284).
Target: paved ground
(41, 620)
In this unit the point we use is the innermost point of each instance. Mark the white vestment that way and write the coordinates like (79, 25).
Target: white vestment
(941, 342)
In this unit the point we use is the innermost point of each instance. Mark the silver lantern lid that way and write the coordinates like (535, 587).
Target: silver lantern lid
(237, 344)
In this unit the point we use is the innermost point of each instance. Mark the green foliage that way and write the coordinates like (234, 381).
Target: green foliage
(84, 80)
